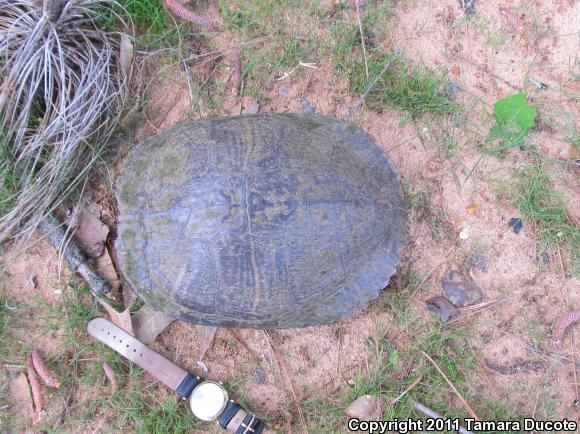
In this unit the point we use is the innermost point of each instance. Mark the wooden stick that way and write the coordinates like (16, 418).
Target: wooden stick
(361, 100)
(408, 389)
(469, 409)
(240, 341)
(72, 254)
(572, 336)
(282, 367)
(362, 39)
(430, 413)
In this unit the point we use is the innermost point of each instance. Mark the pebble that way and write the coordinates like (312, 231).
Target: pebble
(201, 365)
(460, 290)
(516, 224)
(283, 92)
(464, 234)
(258, 376)
(308, 106)
(441, 307)
(253, 108)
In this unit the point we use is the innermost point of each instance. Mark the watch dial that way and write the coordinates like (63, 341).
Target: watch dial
(208, 400)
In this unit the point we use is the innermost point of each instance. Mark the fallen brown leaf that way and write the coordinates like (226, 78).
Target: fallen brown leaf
(120, 319)
(21, 398)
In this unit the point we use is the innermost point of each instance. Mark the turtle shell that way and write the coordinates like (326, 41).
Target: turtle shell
(259, 221)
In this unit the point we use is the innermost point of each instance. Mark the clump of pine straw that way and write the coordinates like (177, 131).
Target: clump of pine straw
(62, 92)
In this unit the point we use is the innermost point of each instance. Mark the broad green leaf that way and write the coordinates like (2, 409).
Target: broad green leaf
(514, 119)
(515, 108)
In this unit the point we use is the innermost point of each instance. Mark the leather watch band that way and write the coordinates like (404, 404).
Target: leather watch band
(236, 420)
(161, 368)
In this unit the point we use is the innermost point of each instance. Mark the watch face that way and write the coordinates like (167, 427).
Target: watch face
(208, 400)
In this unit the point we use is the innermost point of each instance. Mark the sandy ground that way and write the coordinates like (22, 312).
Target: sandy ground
(489, 58)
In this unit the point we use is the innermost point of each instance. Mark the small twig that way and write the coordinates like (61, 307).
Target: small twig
(485, 69)
(467, 406)
(566, 322)
(421, 408)
(282, 367)
(407, 390)
(362, 39)
(300, 63)
(361, 100)
(466, 312)
(240, 341)
(72, 254)
(490, 383)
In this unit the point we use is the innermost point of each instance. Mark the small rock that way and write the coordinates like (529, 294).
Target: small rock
(258, 376)
(469, 7)
(464, 234)
(365, 407)
(441, 307)
(455, 70)
(283, 92)
(460, 290)
(516, 224)
(308, 106)
(448, 91)
(253, 108)
(201, 365)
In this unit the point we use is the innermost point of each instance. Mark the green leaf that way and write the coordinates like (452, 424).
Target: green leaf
(514, 119)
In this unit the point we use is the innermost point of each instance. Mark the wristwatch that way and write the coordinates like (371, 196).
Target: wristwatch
(208, 399)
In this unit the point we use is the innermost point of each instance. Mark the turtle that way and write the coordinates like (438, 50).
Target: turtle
(263, 221)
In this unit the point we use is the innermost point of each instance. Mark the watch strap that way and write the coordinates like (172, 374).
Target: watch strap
(164, 370)
(236, 420)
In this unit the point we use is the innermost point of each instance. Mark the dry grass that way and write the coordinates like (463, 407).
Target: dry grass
(62, 94)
